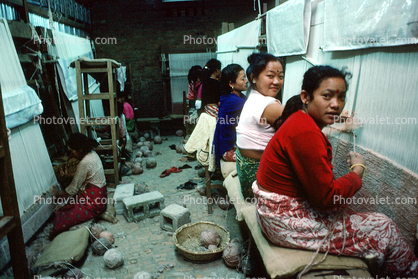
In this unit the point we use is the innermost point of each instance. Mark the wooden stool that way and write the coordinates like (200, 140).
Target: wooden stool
(209, 187)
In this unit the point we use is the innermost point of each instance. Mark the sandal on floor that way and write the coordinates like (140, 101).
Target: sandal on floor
(174, 169)
(165, 173)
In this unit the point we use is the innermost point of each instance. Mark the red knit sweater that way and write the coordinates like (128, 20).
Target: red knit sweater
(297, 163)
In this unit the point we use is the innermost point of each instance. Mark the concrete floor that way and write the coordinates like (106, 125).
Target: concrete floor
(145, 246)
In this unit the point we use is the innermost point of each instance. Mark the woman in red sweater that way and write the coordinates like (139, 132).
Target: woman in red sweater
(297, 195)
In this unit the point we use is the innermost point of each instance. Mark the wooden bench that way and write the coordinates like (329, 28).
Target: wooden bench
(282, 262)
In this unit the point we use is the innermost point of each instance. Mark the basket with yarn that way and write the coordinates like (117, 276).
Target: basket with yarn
(201, 241)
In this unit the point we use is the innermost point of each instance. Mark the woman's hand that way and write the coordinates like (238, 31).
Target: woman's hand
(54, 190)
(356, 158)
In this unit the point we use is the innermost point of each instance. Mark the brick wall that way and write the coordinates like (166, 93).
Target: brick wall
(145, 29)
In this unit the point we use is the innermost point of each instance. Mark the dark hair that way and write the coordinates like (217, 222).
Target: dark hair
(229, 73)
(292, 105)
(211, 66)
(315, 75)
(311, 81)
(195, 73)
(79, 141)
(258, 62)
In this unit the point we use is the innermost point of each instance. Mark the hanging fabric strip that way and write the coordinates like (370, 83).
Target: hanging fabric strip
(360, 24)
(288, 27)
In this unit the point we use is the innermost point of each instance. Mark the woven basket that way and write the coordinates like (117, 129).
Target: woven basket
(192, 231)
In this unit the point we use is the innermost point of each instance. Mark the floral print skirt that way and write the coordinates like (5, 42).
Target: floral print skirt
(292, 222)
(80, 208)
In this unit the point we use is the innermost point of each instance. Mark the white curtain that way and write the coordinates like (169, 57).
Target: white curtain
(21, 103)
(69, 48)
(180, 64)
(236, 45)
(32, 168)
(288, 28)
(360, 24)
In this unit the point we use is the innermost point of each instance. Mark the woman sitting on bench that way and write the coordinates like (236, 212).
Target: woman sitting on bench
(296, 191)
(255, 128)
(232, 100)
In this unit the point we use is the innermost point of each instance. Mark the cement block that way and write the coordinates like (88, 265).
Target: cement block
(174, 216)
(122, 191)
(143, 206)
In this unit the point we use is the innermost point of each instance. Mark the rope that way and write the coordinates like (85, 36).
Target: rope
(328, 237)
(96, 238)
(68, 264)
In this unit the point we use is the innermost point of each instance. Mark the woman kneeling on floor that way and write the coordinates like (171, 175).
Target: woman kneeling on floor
(86, 197)
(295, 186)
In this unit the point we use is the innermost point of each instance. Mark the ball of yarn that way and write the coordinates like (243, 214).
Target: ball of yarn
(140, 188)
(147, 153)
(151, 163)
(147, 135)
(149, 144)
(158, 140)
(232, 254)
(201, 190)
(113, 258)
(184, 141)
(224, 203)
(179, 148)
(143, 275)
(138, 160)
(212, 247)
(98, 247)
(139, 144)
(108, 235)
(179, 133)
(209, 236)
(138, 154)
(96, 229)
(142, 139)
(74, 273)
(137, 168)
(144, 148)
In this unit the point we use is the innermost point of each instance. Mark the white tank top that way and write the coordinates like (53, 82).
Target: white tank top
(252, 131)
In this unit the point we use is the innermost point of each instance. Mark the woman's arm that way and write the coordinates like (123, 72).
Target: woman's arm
(310, 157)
(79, 178)
(271, 112)
(56, 192)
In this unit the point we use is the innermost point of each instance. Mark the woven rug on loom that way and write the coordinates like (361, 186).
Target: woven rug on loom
(388, 188)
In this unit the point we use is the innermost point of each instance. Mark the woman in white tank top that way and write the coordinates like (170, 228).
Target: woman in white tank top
(255, 127)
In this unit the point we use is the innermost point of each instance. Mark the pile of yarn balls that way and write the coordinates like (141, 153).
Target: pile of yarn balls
(210, 239)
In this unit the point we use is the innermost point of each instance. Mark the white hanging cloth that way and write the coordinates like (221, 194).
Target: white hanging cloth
(360, 24)
(21, 103)
(287, 28)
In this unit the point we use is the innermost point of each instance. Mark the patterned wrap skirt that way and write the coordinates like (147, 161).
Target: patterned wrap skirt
(247, 173)
(293, 223)
(87, 204)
